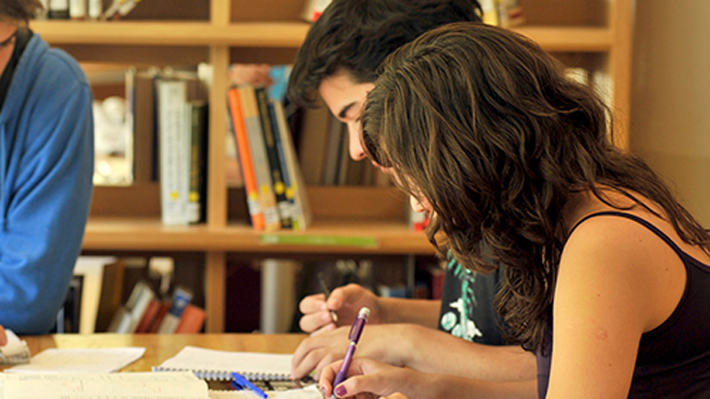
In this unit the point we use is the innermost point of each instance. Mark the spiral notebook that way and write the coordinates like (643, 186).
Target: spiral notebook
(211, 364)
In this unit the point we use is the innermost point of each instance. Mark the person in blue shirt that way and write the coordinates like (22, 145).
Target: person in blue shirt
(338, 62)
(46, 167)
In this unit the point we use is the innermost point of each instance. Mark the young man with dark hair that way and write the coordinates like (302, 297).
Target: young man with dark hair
(47, 152)
(338, 62)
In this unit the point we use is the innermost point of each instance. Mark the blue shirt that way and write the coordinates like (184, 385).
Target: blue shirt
(46, 166)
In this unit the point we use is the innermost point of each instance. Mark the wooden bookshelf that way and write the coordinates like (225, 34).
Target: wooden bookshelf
(220, 32)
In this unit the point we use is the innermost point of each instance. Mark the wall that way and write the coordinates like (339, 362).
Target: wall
(670, 112)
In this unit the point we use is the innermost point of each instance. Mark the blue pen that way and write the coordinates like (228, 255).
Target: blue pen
(354, 337)
(239, 382)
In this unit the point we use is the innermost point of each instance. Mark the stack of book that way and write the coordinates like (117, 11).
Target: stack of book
(270, 169)
(144, 312)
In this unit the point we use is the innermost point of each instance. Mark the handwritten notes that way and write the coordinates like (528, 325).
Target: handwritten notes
(97, 360)
(104, 386)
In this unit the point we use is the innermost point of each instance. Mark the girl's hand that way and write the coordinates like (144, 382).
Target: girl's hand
(346, 301)
(369, 378)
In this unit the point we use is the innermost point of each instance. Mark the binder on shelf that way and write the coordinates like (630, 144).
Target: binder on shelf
(257, 147)
(279, 188)
(247, 166)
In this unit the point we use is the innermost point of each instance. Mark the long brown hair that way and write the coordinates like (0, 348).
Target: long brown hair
(483, 124)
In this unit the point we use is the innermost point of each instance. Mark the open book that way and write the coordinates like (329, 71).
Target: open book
(210, 364)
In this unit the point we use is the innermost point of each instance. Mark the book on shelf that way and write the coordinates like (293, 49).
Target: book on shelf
(313, 9)
(128, 316)
(111, 289)
(77, 9)
(505, 13)
(260, 162)
(510, 13)
(191, 321)
(301, 216)
(279, 188)
(119, 9)
(149, 316)
(181, 298)
(69, 315)
(58, 9)
(198, 159)
(312, 143)
(141, 108)
(247, 166)
(94, 9)
(177, 95)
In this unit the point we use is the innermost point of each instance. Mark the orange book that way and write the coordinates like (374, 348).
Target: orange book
(191, 320)
(240, 133)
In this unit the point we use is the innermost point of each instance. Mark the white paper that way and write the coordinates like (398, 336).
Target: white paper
(99, 360)
(15, 351)
(309, 392)
(104, 386)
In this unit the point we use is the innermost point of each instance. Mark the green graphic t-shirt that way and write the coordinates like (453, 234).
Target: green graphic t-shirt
(467, 305)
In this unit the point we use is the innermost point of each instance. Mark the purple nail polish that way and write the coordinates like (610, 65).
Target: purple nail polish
(340, 390)
(322, 389)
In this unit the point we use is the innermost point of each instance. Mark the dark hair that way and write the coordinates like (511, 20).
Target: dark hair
(357, 35)
(483, 124)
(19, 10)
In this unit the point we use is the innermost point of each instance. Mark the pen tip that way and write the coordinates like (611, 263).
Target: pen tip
(364, 312)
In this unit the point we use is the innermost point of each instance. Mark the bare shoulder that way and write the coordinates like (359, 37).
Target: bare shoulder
(624, 260)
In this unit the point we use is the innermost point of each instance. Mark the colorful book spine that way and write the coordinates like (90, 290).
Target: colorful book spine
(279, 187)
(283, 163)
(301, 211)
(247, 166)
(262, 170)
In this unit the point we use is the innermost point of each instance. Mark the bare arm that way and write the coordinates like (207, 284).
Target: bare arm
(617, 280)
(421, 348)
(369, 376)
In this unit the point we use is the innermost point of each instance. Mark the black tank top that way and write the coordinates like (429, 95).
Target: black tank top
(674, 358)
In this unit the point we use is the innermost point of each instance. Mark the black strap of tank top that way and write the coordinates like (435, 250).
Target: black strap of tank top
(644, 222)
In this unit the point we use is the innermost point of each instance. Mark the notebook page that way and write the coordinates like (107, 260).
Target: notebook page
(98, 360)
(216, 364)
(104, 386)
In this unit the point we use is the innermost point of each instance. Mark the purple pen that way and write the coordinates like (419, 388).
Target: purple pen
(354, 337)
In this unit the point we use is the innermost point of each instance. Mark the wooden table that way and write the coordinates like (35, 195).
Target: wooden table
(160, 347)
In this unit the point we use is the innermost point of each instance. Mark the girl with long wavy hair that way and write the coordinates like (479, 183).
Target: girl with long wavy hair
(606, 274)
